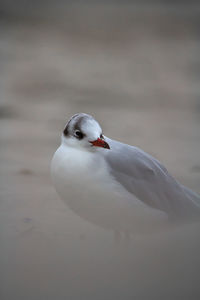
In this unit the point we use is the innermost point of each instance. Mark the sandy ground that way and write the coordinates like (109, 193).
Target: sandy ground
(138, 74)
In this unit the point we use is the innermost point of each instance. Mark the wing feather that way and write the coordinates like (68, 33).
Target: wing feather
(145, 177)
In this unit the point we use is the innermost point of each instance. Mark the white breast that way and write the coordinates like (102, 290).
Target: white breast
(83, 181)
(76, 168)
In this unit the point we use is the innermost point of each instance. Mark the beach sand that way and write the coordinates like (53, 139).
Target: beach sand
(137, 72)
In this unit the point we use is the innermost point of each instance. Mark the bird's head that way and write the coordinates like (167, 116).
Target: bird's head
(83, 131)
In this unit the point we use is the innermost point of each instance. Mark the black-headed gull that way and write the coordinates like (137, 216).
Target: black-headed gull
(113, 184)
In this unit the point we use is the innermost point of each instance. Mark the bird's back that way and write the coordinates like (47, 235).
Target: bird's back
(146, 178)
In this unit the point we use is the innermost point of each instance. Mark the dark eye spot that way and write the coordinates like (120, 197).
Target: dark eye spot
(79, 134)
(101, 136)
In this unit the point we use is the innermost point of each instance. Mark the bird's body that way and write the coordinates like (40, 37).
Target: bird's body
(113, 184)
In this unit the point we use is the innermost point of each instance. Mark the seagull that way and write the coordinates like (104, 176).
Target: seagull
(115, 185)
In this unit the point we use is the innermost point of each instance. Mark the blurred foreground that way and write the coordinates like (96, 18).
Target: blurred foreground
(137, 71)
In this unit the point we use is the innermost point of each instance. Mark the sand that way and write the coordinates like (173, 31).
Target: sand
(137, 72)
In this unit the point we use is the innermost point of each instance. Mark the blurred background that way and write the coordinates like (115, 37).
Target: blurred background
(133, 65)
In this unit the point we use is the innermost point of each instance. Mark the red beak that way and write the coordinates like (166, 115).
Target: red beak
(100, 143)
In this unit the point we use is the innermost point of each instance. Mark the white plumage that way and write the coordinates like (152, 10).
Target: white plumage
(115, 185)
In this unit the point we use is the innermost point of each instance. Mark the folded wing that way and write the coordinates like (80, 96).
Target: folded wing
(146, 178)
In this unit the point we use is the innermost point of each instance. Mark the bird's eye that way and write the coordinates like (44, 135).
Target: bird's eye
(78, 134)
(101, 136)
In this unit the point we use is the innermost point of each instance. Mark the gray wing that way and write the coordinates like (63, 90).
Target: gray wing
(145, 177)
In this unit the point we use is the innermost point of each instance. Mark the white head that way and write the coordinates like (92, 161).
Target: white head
(84, 131)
